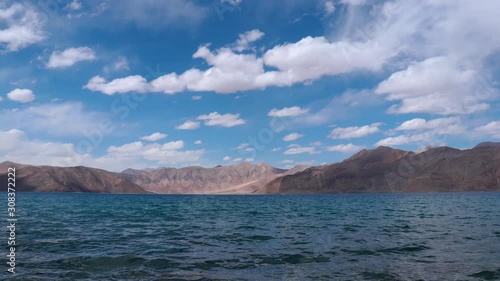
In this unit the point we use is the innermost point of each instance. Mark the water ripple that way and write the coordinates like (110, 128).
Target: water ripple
(439, 236)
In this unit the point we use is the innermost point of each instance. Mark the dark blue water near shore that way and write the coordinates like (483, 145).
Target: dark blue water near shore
(439, 236)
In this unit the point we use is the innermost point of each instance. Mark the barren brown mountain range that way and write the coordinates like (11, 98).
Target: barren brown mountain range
(383, 169)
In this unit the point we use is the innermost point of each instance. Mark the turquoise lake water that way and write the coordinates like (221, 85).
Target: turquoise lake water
(433, 236)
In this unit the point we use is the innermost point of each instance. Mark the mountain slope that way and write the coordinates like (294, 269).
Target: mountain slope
(236, 179)
(389, 170)
(363, 172)
(448, 169)
(71, 179)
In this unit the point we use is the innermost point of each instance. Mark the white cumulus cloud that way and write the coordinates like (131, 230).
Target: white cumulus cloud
(425, 132)
(451, 125)
(308, 59)
(355, 131)
(437, 86)
(287, 112)
(300, 150)
(492, 129)
(223, 120)
(169, 153)
(292, 137)
(70, 56)
(20, 26)
(346, 148)
(188, 125)
(405, 139)
(128, 84)
(247, 38)
(21, 95)
(154, 137)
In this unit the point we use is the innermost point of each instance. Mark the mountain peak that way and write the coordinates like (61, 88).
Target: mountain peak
(6, 163)
(9, 164)
(131, 171)
(380, 154)
(488, 144)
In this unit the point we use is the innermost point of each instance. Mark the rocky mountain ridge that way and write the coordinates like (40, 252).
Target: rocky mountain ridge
(383, 169)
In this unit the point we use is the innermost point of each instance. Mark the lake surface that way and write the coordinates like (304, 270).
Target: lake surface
(433, 236)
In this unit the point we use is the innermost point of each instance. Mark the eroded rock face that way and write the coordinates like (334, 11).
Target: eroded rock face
(237, 179)
(389, 170)
(67, 179)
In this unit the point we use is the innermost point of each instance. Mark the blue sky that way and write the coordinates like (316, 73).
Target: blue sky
(175, 83)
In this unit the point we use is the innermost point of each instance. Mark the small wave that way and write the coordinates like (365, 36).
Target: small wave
(487, 275)
(380, 276)
(291, 259)
(360, 252)
(161, 264)
(405, 249)
(260, 237)
(97, 263)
